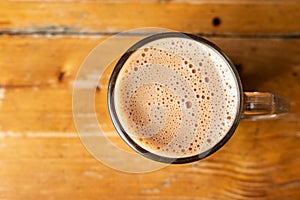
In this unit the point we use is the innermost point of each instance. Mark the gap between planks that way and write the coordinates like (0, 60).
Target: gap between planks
(60, 31)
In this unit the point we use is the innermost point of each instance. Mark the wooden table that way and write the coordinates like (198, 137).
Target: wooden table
(42, 45)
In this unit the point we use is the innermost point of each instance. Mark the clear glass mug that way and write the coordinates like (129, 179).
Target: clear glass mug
(250, 105)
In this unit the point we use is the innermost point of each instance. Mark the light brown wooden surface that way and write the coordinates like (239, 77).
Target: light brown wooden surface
(42, 45)
(94, 17)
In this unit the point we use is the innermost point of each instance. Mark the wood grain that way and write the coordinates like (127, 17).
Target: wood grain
(58, 58)
(59, 167)
(75, 17)
(42, 45)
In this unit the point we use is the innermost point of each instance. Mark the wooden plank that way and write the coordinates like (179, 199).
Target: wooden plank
(77, 17)
(59, 58)
(256, 163)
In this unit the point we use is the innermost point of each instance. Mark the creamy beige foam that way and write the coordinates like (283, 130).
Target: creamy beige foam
(176, 97)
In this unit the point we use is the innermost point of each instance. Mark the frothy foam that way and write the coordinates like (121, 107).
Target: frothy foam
(176, 97)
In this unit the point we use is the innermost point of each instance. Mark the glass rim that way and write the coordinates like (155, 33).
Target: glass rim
(121, 131)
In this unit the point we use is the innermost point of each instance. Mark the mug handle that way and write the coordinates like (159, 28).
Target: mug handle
(263, 105)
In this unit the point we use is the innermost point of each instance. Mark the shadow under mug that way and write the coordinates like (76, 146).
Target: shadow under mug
(251, 105)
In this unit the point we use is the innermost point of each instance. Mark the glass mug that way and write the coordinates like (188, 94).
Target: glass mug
(177, 98)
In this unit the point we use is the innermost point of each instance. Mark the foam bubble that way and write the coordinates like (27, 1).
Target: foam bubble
(175, 105)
